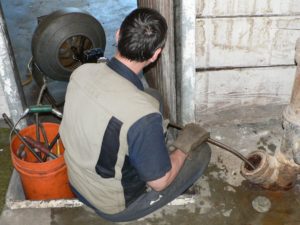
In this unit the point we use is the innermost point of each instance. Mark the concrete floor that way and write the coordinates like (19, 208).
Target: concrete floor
(222, 196)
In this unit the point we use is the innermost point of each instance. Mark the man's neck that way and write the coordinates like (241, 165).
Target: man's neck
(136, 67)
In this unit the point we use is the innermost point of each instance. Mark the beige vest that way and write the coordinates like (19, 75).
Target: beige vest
(96, 93)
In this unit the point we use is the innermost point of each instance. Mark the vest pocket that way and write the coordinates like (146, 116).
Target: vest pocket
(108, 157)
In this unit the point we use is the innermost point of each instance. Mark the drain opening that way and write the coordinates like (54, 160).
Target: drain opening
(290, 185)
(255, 160)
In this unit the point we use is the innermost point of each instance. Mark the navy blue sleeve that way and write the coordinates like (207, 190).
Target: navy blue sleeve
(147, 148)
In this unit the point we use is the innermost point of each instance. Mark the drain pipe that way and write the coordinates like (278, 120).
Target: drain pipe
(279, 172)
(291, 117)
(185, 50)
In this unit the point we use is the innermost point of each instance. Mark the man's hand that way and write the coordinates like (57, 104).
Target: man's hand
(191, 137)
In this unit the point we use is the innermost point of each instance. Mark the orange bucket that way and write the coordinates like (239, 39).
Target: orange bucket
(46, 180)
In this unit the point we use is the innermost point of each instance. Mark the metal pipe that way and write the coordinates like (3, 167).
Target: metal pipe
(53, 142)
(271, 172)
(37, 121)
(186, 73)
(280, 171)
(221, 145)
(44, 134)
(45, 139)
(295, 98)
(290, 145)
(40, 147)
(231, 150)
(11, 125)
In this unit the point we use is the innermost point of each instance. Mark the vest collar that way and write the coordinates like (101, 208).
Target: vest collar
(125, 72)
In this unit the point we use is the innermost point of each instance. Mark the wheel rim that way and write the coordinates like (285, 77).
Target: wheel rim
(70, 52)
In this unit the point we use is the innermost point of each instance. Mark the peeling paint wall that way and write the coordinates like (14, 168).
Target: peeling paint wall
(244, 52)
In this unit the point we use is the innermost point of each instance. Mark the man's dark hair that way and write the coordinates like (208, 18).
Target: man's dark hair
(142, 32)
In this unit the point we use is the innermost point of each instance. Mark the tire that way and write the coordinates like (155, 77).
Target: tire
(56, 37)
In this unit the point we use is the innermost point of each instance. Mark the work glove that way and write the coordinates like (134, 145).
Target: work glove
(190, 138)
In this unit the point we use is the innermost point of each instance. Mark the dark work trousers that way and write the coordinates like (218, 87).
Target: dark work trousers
(150, 201)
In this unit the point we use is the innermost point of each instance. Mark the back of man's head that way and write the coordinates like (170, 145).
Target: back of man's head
(142, 32)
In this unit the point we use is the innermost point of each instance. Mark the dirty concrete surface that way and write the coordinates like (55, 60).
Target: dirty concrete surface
(221, 196)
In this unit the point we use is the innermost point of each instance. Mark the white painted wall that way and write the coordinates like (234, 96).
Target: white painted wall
(244, 52)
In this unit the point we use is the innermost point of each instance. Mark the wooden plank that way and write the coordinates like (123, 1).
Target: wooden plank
(207, 8)
(246, 42)
(218, 90)
(161, 75)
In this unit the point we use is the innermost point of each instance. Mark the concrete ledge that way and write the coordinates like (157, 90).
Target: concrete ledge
(15, 198)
